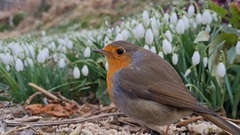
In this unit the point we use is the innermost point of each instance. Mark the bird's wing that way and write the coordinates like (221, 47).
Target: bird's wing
(170, 93)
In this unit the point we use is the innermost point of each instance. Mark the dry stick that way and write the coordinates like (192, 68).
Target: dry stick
(45, 92)
(16, 129)
(185, 122)
(50, 123)
(29, 100)
(232, 120)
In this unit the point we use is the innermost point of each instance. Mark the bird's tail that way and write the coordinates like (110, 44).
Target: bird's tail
(220, 122)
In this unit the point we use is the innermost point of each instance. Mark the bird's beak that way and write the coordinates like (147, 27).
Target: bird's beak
(100, 51)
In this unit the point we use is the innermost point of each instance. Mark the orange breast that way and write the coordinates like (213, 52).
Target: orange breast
(114, 66)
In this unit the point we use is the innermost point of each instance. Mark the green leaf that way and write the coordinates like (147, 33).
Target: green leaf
(218, 9)
(101, 93)
(202, 36)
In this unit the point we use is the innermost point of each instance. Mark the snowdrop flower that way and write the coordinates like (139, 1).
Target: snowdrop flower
(139, 31)
(125, 34)
(69, 44)
(17, 50)
(196, 58)
(146, 47)
(153, 49)
(221, 69)
(180, 27)
(205, 61)
(61, 63)
(43, 33)
(87, 52)
(168, 35)
(19, 65)
(52, 46)
(119, 37)
(166, 17)
(198, 18)
(76, 73)
(191, 10)
(42, 56)
(238, 48)
(145, 18)
(7, 58)
(85, 70)
(175, 59)
(106, 66)
(206, 17)
(149, 37)
(161, 54)
(208, 28)
(173, 18)
(186, 22)
(7, 67)
(188, 71)
(155, 26)
(167, 47)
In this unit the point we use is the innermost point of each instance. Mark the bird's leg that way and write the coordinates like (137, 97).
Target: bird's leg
(167, 130)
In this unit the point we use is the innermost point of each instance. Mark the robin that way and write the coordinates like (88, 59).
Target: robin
(147, 89)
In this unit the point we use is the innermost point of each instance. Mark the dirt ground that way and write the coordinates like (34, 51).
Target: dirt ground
(91, 120)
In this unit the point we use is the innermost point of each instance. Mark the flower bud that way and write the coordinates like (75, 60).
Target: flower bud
(146, 47)
(186, 22)
(85, 70)
(153, 49)
(175, 59)
(196, 58)
(238, 48)
(167, 47)
(221, 69)
(19, 65)
(106, 66)
(168, 35)
(191, 10)
(180, 27)
(87, 52)
(173, 18)
(76, 73)
(187, 72)
(139, 31)
(119, 37)
(205, 61)
(145, 18)
(206, 17)
(125, 35)
(198, 18)
(161, 54)
(149, 37)
(61, 63)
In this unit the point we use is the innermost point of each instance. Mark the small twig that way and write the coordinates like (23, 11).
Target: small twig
(29, 100)
(232, 120)
(45, 92)
(108, 108)
(49, 123)
(185, 122)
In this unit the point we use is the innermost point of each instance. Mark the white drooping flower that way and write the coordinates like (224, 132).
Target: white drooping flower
(149, 37)
(198, 18)
(180, 27)
(155, 26)
(76, 73)
(139, 31)
(125, 34)
(173, 18)
(221, 69)
(188, 71)
(205, 61)
(41, 57)
(7, 67)
(7, 58)
(119, 37)
(161, 54)
(145, 18)
(28, 62)
(186, 22)
(85, 70)
(168, 35)
(69, 44)
(175, 59)
(191, 10)
(238, 48)
(206, 17)
(19, 65)
(87, 52)
(153, 49)
(146, 47)
(166, 17)
(61, 63)
(17, 50)
(167, 47)
(196, 58)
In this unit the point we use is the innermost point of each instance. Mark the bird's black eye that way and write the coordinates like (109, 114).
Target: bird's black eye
(120, 51)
